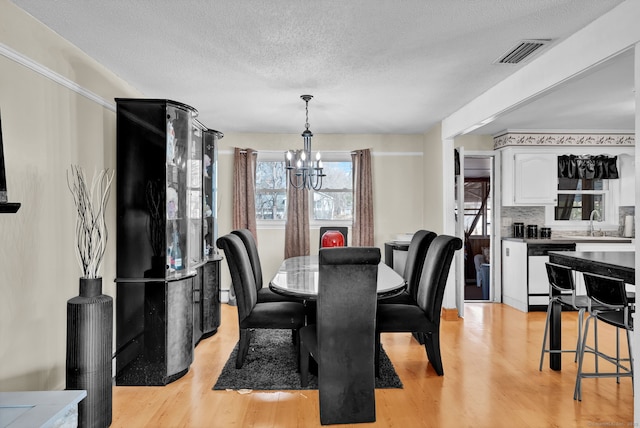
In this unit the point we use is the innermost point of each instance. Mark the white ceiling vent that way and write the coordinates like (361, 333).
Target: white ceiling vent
(521, 51)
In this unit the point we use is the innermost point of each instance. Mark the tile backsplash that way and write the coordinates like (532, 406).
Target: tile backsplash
(535, 215)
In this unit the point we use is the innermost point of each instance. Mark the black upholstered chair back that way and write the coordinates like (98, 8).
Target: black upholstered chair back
(242, 278)
(252, 250)
(607, 291)
(434, 275)
(346, 315)
(560, 277)
(415, 259)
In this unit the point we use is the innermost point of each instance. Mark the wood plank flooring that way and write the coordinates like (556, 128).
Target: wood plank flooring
(491, 380)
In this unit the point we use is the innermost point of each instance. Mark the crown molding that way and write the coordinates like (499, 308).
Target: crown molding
(13, 55)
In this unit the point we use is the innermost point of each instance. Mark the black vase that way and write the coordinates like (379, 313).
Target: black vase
(89, 349)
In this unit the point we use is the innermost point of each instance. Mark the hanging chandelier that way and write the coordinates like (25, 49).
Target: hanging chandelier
(304, 172)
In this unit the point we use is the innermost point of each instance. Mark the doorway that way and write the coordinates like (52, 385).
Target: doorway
(478, 207)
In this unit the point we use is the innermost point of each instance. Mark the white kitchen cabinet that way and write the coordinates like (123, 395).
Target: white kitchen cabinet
(529, 178)
(514, 274)
(525, 285)
(627, 171)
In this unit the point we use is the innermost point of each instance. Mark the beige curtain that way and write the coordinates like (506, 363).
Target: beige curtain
(244, 190)
(362, 229)
(296, 232)
(244, 196)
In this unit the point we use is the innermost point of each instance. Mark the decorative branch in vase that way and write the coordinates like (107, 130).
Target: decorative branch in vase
(90, 314)
(91, 228)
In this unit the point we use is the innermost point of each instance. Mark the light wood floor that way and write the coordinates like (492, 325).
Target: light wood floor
(491, 380)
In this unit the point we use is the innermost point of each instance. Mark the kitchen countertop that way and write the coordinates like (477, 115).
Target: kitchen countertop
(574, 239)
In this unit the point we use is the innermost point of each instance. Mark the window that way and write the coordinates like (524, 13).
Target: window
(333, 202)
(578, 197)
(271, 190)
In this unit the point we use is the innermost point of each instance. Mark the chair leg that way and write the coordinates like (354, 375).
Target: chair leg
(243, 346)
(579, 341)
(618, 354)
(595, 335)
(303, 363)
(630, 359)
(432, 344)
(296, 342)
(577, 393)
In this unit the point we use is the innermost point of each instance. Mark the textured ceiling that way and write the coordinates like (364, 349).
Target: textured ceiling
(373, 67)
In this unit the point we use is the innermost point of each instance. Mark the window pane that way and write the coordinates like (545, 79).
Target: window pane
(576, 206)
(335, 200)
(270, 190)
(332, 205)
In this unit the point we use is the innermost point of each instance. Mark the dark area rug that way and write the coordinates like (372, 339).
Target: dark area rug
(271, 365)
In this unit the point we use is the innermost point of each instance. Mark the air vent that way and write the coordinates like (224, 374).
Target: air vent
(521, 51)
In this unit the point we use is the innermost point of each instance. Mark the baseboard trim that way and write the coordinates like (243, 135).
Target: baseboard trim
(450, 314)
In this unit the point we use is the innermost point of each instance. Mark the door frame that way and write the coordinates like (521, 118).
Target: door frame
(495, 235)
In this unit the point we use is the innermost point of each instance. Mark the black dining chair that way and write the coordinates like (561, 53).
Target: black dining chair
(342, 229)
(342, 341)
(251, 314)
(614, 309)
(416, 254)
(265, 294)
(562, 290)
(423, 318)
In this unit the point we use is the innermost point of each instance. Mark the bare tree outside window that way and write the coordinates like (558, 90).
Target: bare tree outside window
(271, 190)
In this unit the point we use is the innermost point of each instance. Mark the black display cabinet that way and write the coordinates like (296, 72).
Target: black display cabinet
(161, 244)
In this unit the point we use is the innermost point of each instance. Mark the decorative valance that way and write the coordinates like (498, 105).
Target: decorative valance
(572, 166)
(523, 139)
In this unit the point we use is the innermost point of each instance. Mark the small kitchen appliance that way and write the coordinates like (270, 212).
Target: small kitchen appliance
(518, 230)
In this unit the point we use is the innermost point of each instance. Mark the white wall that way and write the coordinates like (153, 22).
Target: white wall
(46, 128)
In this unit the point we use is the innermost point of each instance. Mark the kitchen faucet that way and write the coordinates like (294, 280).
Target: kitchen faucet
(591, 216)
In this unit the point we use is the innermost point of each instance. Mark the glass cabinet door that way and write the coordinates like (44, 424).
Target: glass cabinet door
(178, 145)
(194, 189)
(210, 188)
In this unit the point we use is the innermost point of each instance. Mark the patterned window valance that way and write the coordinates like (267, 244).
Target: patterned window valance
(571, 166)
